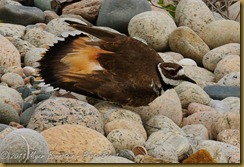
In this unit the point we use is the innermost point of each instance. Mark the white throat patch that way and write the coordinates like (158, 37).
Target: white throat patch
(168, 80)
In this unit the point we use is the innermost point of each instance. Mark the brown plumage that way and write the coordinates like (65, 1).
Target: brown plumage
(116, 68)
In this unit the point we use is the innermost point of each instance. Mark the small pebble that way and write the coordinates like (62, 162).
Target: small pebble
(28, 70)
(25, 91)
(128, 154)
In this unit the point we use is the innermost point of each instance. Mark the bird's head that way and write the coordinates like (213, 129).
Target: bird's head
(173, 74)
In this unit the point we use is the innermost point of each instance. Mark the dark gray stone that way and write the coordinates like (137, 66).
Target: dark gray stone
(116, 14)
(25, 91)
(26, 115)
(23, 15)
(220, 92)
(8, 114)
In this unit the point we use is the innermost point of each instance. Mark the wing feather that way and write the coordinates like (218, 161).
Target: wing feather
(115, 68)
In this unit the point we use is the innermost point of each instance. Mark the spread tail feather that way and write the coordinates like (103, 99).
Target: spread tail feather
(99, 33)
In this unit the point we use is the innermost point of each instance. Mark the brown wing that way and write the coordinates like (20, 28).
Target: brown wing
(116, 68)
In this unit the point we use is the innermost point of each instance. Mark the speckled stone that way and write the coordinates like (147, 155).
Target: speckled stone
(197, 107)
(230, 136)
(228, 120)
(161, 122)
(186, 42)
(32, 56)
(112, 112)
(227, 65)
(58, 111)
(9, 55)
(221, 32)
(205, 118)
(153, 27)
(39, 38)
(231, 79)
(189, 93)
(168, 104)
(125, 124)
(194, 14)
(164, 151)
(125, 139)
(200, 75)
(13, 80)
(88, 9)
(220, 151)
(158, 142)
(233, 103)
(22, 45)
(10, 95)
(10, 30)
(110, 159)
(23, 143)
(76, 144)
(212, 58)
(198, 131)
(218, 92)
(219, 106)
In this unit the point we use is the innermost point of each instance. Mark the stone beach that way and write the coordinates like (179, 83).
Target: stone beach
(43, 124)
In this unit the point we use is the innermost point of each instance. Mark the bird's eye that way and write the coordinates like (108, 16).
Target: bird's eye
(172, 72)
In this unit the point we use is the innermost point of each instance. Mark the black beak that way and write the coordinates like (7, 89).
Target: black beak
(186, 78)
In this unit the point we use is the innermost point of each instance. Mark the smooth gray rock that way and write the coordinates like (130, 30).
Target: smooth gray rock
(22, 15)
(116, 14)
(218, 92)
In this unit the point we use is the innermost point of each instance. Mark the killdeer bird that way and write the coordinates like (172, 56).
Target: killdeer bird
(115, 68)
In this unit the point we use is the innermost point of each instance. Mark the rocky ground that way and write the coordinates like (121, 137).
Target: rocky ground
(192, 123)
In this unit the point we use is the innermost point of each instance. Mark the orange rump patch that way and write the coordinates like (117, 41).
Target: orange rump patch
(83, 58)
